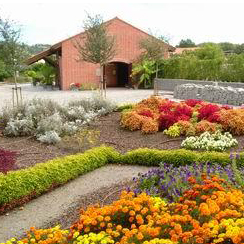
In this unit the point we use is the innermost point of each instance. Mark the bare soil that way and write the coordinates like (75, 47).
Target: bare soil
(106, 130)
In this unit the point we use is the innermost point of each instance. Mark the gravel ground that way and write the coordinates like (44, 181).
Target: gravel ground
(49, 207)
(118, 95)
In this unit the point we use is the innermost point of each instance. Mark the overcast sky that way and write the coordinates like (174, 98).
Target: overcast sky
(50, 21)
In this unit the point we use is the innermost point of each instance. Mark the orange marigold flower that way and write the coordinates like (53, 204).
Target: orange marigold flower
(140, 236)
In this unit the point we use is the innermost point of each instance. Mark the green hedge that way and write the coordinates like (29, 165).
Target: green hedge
(43, 176)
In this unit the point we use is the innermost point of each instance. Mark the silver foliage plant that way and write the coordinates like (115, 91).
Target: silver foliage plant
(48, 121)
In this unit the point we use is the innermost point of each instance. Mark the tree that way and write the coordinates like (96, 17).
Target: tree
(12, 52)
(96, 45)
(153, 49)
(239, 48)
(186, 43)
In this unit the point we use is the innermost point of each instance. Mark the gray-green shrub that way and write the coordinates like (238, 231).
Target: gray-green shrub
(48, 120)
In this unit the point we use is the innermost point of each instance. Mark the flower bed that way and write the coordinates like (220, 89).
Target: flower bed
(191, 117)
(20, 186)
(209, 211)
(169, 182)
(210, 142)
(48, 121)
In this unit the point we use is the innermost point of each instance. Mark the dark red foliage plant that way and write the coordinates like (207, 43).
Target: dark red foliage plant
(193, 102)
(167, 119)
(7, 160)
(182, 109)
(147, 113)
(207, 110)
(167, 106)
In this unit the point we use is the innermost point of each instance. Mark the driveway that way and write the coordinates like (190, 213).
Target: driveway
(118, 95)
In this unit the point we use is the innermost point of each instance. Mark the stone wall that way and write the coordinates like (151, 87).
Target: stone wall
(210, 93)
(170, 84)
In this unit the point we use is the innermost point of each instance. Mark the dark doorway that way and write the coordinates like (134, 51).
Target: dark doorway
(122, 74)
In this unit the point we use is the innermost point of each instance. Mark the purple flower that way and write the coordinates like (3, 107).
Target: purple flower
(232, 156)
(238, 155)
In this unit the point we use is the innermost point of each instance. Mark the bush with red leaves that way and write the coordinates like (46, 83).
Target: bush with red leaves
(226, 107)
(207, 111)
(147, 113)
(7, 160)
(166, 106)
(165, 120)
(183, 117)
(183, 109)
(214, 118)
(193, 102)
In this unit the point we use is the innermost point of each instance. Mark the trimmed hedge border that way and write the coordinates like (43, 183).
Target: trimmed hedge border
(41, 177)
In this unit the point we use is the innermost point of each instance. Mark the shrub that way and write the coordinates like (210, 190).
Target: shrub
(186, 127)
(49, 137)
(233, 121)
(183, 109)
(36, 180)
(207, 110)
(19, 127)
(41, 177)
(166, 106)
(48, 121)
(7, 160)
(166, 120)
(201, 115)
(131, 121)
(152, 103)
(149, 126)
(146, 113)
(206, 126)
(193, 102)
(173, 131)
(210, 142)
(181, 128)
(123, 107)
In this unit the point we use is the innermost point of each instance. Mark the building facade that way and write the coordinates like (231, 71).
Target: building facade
(117, 71)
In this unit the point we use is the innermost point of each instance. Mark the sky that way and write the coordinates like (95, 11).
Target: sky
(50, 21)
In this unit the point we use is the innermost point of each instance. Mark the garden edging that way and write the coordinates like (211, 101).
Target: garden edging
(40, 178)
(48, 207)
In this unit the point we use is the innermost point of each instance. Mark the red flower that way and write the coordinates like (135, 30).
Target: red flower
(78, 85)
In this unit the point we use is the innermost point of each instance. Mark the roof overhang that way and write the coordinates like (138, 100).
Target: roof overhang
(42, 55)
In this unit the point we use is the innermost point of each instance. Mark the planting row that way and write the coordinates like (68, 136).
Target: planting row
(15, 186)
(202, 203)
(191, 117)
(48, 121)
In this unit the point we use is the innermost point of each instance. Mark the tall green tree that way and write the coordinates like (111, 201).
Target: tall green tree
(187, 43)
(96, 45)
(12, 51)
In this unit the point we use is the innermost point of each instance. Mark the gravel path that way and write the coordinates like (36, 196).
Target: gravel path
(48, 207)
(118, 95)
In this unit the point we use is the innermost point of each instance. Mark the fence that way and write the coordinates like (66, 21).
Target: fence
(170, 84)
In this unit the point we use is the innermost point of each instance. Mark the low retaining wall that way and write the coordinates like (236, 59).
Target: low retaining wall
(210, 93)
(170, 84)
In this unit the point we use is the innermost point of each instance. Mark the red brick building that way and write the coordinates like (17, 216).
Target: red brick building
(117, 71)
